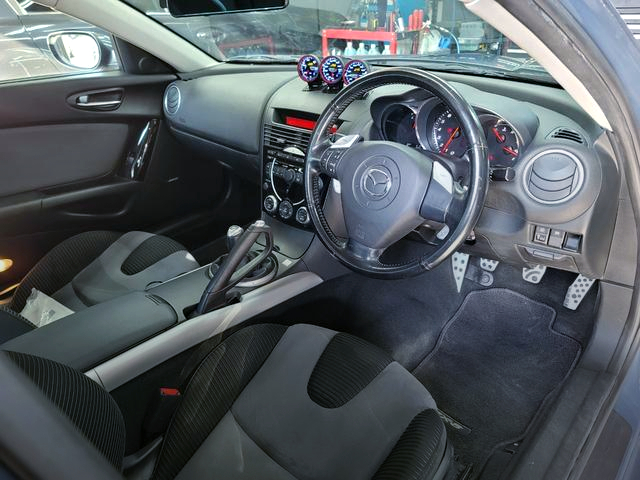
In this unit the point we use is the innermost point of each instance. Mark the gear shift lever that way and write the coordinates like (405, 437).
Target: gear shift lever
(228, 275)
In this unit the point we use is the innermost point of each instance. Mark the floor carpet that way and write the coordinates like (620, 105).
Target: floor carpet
(494, 364)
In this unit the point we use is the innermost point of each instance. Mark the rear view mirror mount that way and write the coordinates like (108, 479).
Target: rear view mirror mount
(186, 8)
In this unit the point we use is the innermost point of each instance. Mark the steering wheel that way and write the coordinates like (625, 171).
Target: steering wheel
(388, 189)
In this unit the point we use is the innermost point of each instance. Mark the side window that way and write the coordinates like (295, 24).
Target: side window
(37, 41)
(31, 7)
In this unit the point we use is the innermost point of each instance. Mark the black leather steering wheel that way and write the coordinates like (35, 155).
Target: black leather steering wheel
(389, 189)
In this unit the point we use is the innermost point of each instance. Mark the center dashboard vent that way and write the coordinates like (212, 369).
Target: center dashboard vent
(564, 133)
(172, 99)
(290, 140)
(553, 176)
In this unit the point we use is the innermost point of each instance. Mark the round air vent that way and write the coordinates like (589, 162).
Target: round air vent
(553, 176)
(172, 99)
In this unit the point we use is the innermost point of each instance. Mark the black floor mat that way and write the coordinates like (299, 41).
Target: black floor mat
(494, 364)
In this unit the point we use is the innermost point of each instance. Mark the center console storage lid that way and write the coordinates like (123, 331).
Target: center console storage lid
(93, 335)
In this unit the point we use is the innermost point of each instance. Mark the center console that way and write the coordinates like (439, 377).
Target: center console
(93, 335)
(286, 139)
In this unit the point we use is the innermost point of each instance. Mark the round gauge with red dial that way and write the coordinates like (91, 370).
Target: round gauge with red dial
(446, 134)
(331, 70)
(503, 143)
(309, 68)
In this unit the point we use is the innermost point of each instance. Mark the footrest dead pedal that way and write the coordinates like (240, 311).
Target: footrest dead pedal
(459, 262)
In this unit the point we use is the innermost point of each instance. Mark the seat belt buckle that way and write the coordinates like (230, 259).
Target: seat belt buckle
(161, 410)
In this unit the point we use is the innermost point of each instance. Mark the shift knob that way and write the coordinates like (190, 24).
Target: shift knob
(233, 235)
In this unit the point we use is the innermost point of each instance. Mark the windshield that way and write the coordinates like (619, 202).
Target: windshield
(438, 35)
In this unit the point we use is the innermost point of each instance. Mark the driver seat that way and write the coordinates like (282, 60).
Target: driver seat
(268, 402)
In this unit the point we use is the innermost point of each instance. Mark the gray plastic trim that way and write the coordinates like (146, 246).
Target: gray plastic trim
(613, 310)
(529, 166)
(141, 358)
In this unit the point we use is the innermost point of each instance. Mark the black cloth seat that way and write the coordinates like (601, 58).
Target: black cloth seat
(273, 402)
(93, 267)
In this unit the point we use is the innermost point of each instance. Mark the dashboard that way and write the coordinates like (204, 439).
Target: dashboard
(553, 195)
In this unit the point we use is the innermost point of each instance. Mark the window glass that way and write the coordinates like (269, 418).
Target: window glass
(32, 38)
(438, 34)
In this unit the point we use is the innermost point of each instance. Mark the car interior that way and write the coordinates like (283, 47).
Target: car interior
(252, 275)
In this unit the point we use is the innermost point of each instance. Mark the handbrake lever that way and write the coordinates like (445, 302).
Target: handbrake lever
(226, 277)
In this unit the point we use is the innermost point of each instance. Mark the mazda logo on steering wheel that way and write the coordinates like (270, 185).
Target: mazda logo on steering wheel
(377, 183)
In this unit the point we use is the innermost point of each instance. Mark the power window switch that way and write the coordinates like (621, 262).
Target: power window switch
(556, 238)
(541, 235)
(572, 242)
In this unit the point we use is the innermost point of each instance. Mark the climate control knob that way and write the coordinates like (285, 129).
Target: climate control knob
(285, 209)
(302, 215)
(271, 204)
(289, 175)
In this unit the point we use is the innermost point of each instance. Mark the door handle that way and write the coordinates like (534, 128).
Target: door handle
(100, 100)
(83, 101)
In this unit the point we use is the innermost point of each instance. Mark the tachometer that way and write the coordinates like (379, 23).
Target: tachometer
(503, 143)
(353, 70)
(309, 68)
(447, 135)
(331, 70)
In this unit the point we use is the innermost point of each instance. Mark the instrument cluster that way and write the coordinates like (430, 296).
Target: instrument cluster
(431, 125)
(331, 72)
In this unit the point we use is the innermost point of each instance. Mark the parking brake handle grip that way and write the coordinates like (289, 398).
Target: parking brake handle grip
(228, 275)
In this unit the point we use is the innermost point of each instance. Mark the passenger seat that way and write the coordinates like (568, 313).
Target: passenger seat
(93, 267)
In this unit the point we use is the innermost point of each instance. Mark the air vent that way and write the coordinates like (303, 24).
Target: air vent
(567, 134)
(282, 137)
(553, 176)
(172, 99)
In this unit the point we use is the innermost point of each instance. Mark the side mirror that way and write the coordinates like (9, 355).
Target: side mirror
(76, 49)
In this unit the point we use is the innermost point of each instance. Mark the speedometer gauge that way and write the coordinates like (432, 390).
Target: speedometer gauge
(355, 69)
(331, 70)
(309, 68)
(503, 143)
(447, 135)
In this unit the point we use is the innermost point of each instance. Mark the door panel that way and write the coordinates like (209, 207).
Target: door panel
(65, 169)
(59, 154)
